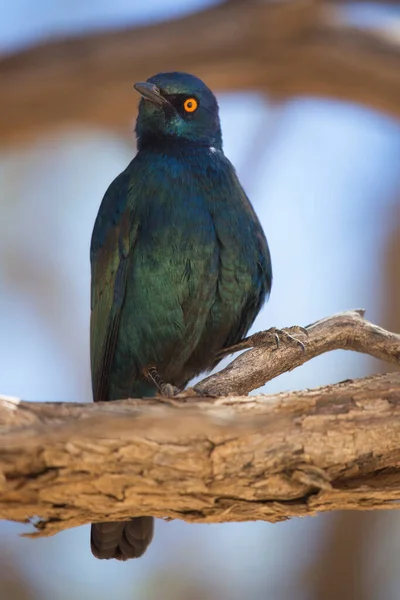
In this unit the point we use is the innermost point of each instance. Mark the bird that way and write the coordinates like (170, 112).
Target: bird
(180, 265)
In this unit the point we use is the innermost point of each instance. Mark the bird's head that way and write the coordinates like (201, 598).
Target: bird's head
(179, 106)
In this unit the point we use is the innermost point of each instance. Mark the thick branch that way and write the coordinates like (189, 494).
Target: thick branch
(215, 459)
(225, 459)
(284, 48)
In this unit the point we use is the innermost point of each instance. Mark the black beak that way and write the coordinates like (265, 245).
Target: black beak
(151, 92)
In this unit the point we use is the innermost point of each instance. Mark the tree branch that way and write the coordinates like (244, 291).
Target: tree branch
(215, 459)
(345, 331)
(284, 48)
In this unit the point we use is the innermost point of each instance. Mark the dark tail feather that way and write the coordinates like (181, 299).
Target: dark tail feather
(121, 540)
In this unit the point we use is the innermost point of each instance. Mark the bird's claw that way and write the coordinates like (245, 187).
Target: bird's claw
(169, 390)
(263, 338)
(165, 389)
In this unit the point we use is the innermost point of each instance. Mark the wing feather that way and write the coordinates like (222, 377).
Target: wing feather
(113, 238)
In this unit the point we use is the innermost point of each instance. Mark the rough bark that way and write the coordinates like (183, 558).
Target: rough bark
(216, 459)
(283, 48)
(345, 331)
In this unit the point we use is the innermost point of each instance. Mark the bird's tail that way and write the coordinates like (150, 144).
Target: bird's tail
(121, 540)
(124, 539)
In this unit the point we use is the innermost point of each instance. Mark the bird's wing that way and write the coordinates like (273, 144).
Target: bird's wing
(259, 286)
(113, 238)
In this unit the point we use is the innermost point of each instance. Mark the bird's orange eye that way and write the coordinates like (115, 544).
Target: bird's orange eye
(190, 105)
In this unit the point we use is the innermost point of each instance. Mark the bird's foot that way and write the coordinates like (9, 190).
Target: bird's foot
(273, 336)
(169, 390)
(165, 389)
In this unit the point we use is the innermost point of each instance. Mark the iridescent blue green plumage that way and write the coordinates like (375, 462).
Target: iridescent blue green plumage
(180, 264)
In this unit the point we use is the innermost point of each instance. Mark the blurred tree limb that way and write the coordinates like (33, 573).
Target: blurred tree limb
(214, 459)
(282, 48)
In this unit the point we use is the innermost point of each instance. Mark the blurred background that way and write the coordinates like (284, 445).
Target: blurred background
(310, 105)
